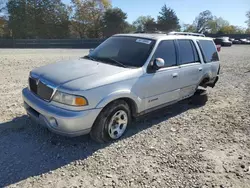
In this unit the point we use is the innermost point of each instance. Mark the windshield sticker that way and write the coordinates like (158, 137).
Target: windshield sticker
(144, 41)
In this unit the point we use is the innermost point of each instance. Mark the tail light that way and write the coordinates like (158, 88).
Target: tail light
(218, 47)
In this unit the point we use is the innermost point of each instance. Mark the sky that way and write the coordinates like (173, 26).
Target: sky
(233, 11)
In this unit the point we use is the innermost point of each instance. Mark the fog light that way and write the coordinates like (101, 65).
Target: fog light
(53, 122)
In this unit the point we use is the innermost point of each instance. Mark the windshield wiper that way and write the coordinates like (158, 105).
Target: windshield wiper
(107, 60)
(115, 61)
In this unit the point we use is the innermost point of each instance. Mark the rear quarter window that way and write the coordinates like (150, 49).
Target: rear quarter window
(208, 50)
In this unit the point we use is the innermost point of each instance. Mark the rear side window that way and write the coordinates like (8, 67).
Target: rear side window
(208, 50)
(166, 50)
(188, 52)
(196, 56)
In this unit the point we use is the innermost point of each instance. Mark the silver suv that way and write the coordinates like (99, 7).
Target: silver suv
(126, 76)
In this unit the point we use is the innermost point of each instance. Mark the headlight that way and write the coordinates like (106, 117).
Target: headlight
(68, 99)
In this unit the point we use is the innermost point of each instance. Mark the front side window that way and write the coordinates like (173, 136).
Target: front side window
(128, 51)
(166, 50)
(208, 50)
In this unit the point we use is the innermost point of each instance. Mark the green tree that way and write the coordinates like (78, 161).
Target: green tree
(129, 28)
(240, 30)
(51, 19)
(3, 19)
(38, 18)
(202, 20)
(2, 6)
(3, 25)
(87, 17)
(189, 28)
(247, 31)
(231, 29)
(227, 30)
(167, 20)
(248, 18)
(216, 24)
(114, 21)
(17, 18)
(142, 22)
(151, 25)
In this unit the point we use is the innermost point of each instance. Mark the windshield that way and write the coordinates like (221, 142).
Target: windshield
(126, 51)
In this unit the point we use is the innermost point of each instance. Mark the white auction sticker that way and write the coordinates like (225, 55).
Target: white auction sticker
(144, 41)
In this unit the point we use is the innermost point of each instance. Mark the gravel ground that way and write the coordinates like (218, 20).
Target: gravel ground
(202, 142)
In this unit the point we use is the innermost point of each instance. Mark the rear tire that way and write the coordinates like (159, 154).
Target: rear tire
(112, 122)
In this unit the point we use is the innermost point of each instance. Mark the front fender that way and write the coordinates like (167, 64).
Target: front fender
(117, 95)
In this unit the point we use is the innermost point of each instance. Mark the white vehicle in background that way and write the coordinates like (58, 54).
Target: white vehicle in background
(245, 41)
(126, 76)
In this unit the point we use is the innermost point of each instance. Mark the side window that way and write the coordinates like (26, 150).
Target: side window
(208, 50)
(187, 54)
(166, 50)
(196, 56)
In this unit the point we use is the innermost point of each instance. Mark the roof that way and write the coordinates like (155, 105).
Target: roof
(156, 36)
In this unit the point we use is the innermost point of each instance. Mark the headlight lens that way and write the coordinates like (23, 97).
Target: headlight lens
(68, 99)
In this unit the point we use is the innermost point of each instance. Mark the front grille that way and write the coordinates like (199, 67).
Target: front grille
(42, 90)
(32, 84)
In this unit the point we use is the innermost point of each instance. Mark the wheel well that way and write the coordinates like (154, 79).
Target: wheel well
(204, 81)
(131, 103)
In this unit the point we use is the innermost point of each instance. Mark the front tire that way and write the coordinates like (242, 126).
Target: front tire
(112, 122)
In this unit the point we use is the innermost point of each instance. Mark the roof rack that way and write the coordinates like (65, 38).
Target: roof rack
(151, 32)
(187, 33)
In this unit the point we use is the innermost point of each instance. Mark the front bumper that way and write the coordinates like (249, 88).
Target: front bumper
(58, 120)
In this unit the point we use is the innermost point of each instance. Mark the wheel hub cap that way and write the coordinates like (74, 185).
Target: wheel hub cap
(118, 124)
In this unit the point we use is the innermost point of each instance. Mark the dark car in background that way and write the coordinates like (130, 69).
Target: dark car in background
(236, 41)
(223, 41)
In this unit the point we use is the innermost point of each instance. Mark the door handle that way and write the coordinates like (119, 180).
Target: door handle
(175, 75)
(200, 69)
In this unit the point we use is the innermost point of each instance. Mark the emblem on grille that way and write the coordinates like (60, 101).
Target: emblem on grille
(37, 81)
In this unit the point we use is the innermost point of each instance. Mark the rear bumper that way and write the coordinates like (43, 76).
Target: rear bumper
(58, 120)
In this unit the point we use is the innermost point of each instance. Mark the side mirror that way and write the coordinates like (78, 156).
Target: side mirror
(91, 50)
(159, 63)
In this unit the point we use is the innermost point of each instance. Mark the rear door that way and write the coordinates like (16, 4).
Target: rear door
(191, 69)
(210, 58)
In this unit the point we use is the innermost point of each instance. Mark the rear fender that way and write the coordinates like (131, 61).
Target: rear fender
(205, 79)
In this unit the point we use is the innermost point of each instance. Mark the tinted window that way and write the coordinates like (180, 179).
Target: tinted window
(130, 51)
(196, 56)
(166, 50)
(186, 52)
(209, 51)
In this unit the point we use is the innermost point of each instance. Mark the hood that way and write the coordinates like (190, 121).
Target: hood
(80, 74)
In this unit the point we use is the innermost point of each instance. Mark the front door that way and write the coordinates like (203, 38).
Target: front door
(161, 86)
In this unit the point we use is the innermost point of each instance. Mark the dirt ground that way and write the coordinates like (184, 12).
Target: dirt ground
(202, 142)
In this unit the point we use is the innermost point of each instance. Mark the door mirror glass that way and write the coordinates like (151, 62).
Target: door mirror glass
(159, 63)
